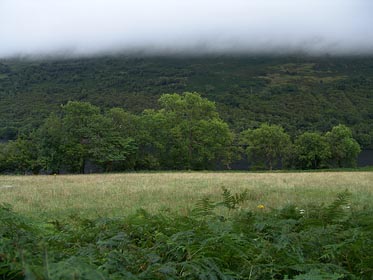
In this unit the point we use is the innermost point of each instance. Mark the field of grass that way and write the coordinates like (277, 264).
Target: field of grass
(122, 194)
(89, 226)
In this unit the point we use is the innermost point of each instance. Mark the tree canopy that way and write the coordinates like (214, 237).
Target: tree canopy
(312, 150)
(344, 148)
(266, 145)
(184, 133)
(81, 133)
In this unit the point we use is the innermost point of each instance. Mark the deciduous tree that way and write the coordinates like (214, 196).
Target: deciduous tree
(311, 150)
(266, 145)
(344, 148)
(198, 138)
(82, 133)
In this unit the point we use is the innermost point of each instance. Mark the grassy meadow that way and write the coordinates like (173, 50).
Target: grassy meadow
(90, 226)
(122, 194)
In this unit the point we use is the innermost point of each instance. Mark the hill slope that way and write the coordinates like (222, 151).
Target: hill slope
(299, 93)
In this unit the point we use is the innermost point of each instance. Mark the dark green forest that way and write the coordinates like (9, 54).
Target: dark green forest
(127, 113)
(298, 93)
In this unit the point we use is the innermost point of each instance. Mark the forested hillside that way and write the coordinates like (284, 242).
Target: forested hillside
(299, 93)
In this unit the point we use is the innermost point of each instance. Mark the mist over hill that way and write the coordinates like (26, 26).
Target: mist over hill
(306, 65)
(79, 28)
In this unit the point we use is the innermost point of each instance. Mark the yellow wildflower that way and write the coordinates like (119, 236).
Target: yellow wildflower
(261, 206)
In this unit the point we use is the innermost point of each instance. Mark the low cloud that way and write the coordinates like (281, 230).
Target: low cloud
(90, 27)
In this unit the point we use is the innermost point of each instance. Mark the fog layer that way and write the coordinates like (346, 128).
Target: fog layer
(89, 27)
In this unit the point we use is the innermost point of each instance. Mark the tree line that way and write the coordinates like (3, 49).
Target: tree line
(185, 133)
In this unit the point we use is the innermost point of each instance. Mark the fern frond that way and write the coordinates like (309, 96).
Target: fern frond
(228, 198)
(336, 210)
(204, 207)
(241, 197)
(232, 201)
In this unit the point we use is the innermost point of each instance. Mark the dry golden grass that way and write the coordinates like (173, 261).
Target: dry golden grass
(121, 194)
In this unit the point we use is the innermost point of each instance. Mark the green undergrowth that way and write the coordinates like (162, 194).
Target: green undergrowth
(317, 242)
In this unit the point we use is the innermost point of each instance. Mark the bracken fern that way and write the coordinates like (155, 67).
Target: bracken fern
(324, 242)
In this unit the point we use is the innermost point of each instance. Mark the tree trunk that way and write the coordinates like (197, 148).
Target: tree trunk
(82, 167)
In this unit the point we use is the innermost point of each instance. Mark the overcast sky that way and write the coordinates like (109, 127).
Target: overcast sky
(88, 27)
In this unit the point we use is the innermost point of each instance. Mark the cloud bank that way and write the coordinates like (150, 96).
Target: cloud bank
(89, 27)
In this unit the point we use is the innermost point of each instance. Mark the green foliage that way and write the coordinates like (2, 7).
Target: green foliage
(266, 144)
(82, 133)
(232, 201)
(185, 133)
(53, 143)
(205, 206)
(198, 137)
(311, 150)
(317, 242)
(299, 93)
(338, 209)
(336, 148)
(317, 274)
(20, 156)
(344, 148)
